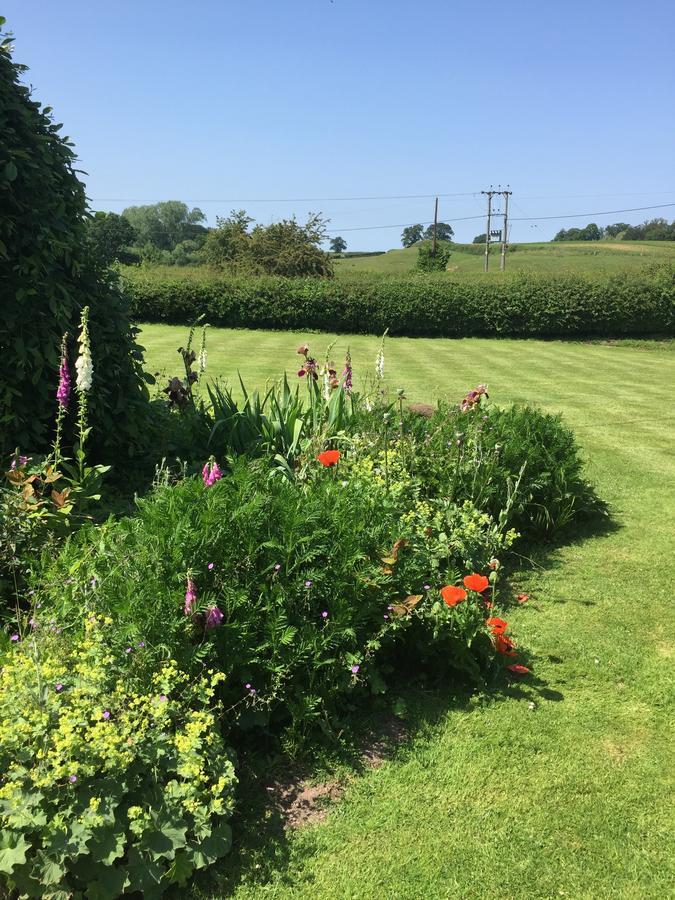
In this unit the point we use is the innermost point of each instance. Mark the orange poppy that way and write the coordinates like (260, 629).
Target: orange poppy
(505, 645)
(497, 626)
(476, 583)
(453, 595)
(518, 669)
(329, 457)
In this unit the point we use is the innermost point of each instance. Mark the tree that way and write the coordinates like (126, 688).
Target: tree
(338, 245)
(428, 261)
(616, 229)
(109, 235)
(480, 239)
(282, 248)
(444, 232)
(411, 235)
(47, 276)
(166, 224)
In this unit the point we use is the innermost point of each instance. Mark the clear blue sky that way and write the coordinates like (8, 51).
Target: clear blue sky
(227, 104)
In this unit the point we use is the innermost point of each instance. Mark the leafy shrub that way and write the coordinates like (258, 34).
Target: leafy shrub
(433, 305)
(46, 278)
(428, 261)
(114, 777)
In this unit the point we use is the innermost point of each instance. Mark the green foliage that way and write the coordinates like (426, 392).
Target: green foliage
(338, 245)
(519, 305)
(165, 225)
(110, 237)
(430, 261)
(114, 777)
(591, 232)
(283, 248)
(46, 278)
(653, 230)
(480, 238)
(444, 232)
(411, 235)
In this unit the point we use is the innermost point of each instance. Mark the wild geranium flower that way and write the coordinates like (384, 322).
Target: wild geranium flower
(72, 779)
(324, 614)
(106, 714)
(213, 617)
(210, 566)
(329, 457)
(14, 637)
(308, 584)
(453, 595)
(58, 687)
(211, 473)
(517, 669)
(355, 670)
(476, 583)
(190, 597)
(496, 625)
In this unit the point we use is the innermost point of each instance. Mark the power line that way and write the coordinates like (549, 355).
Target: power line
(297, 199)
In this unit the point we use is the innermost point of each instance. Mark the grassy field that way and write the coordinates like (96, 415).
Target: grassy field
(563, 785)
(582, 257)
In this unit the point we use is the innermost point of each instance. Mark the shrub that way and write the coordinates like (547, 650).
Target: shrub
(432, 305)
(428, 261)
(114, 776)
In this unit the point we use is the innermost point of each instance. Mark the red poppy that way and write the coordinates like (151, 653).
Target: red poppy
(497, 626)
(523, 598)
(329, 457)
(476, 583)
(453, 595)
(505, 645)
(518, 669)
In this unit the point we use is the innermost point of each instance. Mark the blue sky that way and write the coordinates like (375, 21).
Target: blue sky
(264, 104)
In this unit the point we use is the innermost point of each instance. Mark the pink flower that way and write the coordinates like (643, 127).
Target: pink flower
(355, 670)
(190, 597)
(63, 390)
(213, 617)
(211, 473)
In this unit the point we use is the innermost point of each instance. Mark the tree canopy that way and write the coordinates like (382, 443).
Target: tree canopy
(411, 235)
(444, 232)
(338, 244)
(165, 225)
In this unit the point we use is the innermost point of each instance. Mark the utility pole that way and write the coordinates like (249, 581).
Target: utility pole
(433, 252)
(489, 194)
(505, 232)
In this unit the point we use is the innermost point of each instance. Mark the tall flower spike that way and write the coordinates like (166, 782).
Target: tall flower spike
(190, 597)
(347, 374)
(83, 364)
(202, 352)
(63, 390)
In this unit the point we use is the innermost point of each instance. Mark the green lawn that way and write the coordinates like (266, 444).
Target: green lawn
(491, 798)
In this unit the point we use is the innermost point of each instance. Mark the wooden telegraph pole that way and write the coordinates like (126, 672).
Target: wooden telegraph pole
(489, 194)
(433, 251)
(502, 261)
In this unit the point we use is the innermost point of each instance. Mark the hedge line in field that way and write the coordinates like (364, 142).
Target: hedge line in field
(520, 305)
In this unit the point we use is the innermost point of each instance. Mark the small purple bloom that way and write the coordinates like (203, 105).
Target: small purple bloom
(248, 687)
(141, 645)
(128, 650)
(72, 779)
(58, 687)
(427, 587)
(163, 698)
(385, 617)
(277, 567)
(14, 637)
(213, 617)
(106, 714)
(324, 614)
(211, 473)
(253, 691)
(308, 584)
(355, 670)
(210, 566)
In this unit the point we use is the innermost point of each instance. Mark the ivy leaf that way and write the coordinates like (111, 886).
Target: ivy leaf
(13, 851)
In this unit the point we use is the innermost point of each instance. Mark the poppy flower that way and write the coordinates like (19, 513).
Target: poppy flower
(518, 669)
(505, 645)
(497, 626)
(523, 598)
(453, 595)
(329, 457)
(476, 583)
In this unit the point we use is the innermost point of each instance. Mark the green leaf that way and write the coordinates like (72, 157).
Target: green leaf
(10, 171)
(13, 853)
(110, 887)
(212, 848)
(107, 847)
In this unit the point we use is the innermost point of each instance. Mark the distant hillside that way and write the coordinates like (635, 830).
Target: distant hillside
(584, 256)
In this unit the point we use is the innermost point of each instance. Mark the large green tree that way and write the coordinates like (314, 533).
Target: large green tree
(110, 235)
(47, 275)
(444, 232)
(411, 235)
(166, 224)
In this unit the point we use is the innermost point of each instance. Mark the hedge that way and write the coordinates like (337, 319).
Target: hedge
(430, 305)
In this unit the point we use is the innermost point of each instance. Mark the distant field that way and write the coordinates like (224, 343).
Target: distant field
(582, 257)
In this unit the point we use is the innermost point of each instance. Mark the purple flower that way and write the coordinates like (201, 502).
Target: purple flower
(210, 566)
(211, 473)
(32, 623)
(213, 617)
(63, 390)
(308, 584)
(277, 567)
(253, 691)
(385, 617)
(355, 670)
(190, 597)
(427, 587)
(128, 650)
(347, 374)
(58, 687)
(106, 714)
(72, 779)
(324, 614)
(163, 698)
(14, 637)
(248, 687)
(141, 645)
